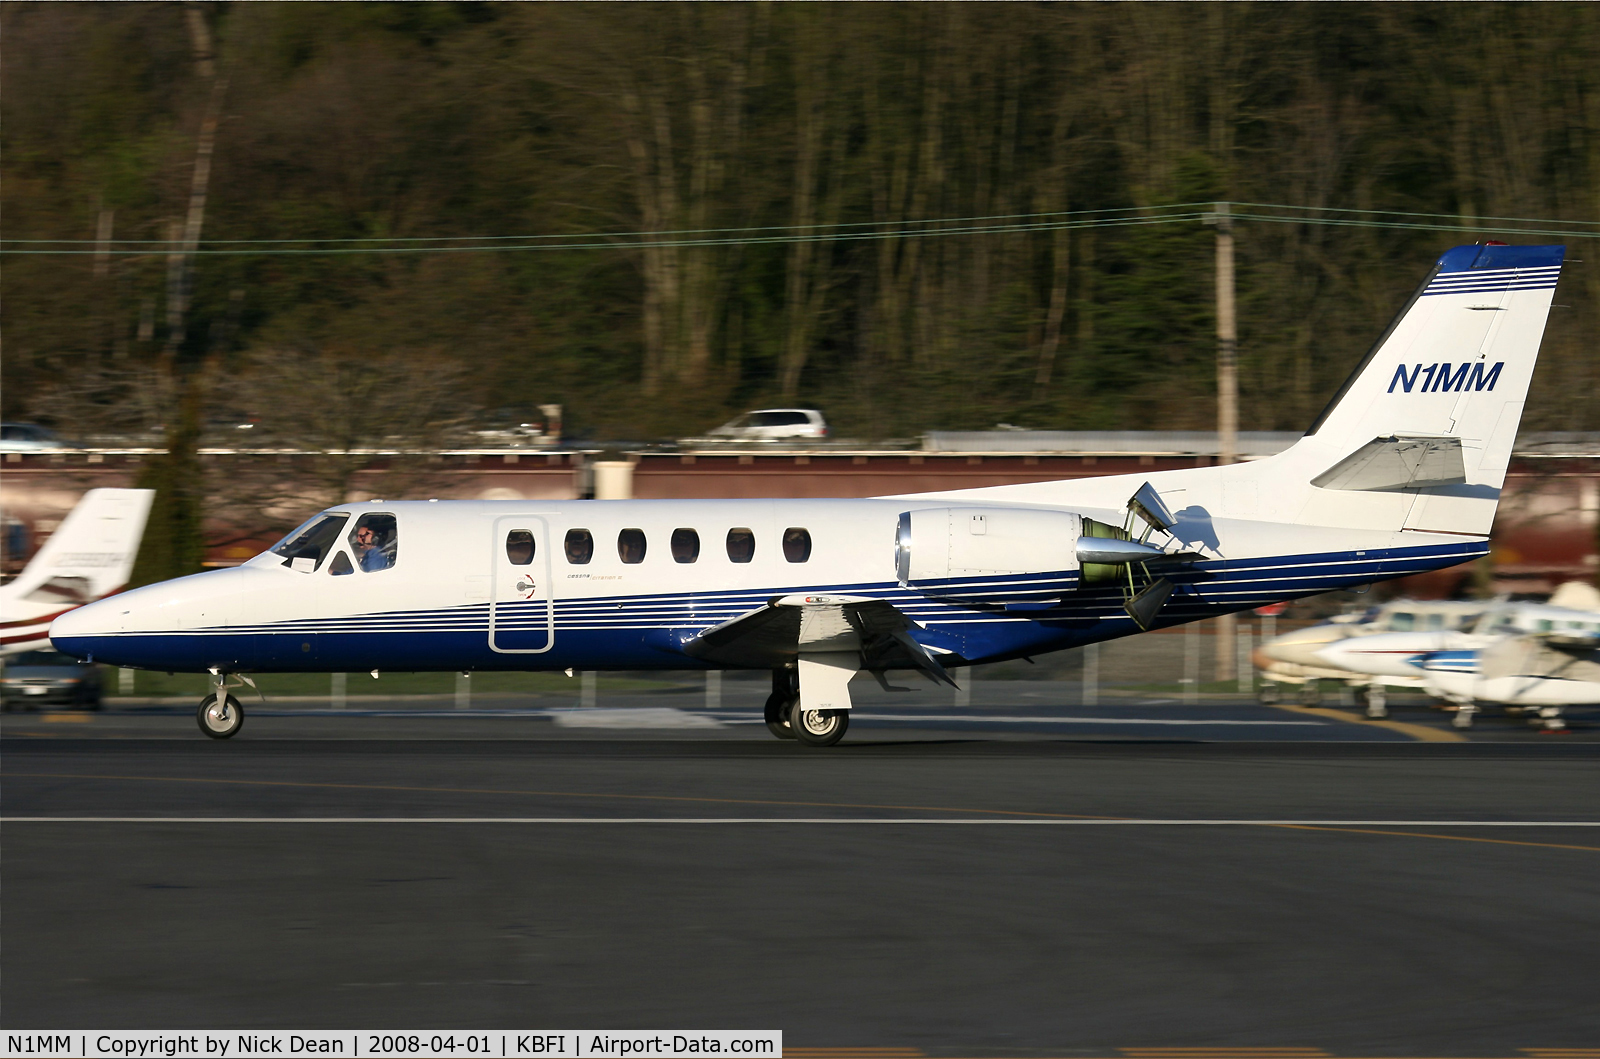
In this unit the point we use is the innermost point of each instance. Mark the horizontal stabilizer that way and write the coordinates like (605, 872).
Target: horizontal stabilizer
(1394, 463)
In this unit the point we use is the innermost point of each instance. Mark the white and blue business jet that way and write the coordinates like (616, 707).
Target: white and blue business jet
(1400, 474)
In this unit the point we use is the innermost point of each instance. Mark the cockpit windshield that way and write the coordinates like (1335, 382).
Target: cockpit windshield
(308, 546)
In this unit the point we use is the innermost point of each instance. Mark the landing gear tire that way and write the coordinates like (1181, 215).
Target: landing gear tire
(1267, 694)
(1310, 693)
(220, 722)
(781, 703)
(1463, 717)
(777, 715)
(1549, 719)
(818, 727)
(1377, 700)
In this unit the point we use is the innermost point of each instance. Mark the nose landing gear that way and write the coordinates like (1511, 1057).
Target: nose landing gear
(220, 721)
(220, 716)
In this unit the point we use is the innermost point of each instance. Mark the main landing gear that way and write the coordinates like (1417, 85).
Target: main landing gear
(1376, 697)
(818, 727)
(220, 716)
(787, 719)
(784, 698)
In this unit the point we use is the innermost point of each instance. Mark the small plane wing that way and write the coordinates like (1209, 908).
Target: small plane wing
(788, 626)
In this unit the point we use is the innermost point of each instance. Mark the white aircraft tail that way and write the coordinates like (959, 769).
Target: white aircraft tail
(90, 556)
(1418, 438)
(1420, 435)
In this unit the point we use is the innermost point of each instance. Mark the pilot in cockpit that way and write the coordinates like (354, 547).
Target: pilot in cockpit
(374, 541)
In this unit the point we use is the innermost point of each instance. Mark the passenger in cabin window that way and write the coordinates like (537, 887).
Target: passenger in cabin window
(579, 546)
(631, 546)
(685, 545)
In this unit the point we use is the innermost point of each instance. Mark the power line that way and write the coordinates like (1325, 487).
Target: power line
(678, 232)
(855, 231)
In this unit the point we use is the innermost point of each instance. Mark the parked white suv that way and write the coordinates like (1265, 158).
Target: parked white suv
(772, 424)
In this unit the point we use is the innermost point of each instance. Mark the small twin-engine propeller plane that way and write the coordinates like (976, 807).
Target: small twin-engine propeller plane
(88, 556)
(1400, 474)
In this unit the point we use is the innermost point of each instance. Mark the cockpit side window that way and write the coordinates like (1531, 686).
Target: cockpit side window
(341, 564)
(308, 546)
(375, 541)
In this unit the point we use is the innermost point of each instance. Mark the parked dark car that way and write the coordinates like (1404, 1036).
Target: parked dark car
(38, 678)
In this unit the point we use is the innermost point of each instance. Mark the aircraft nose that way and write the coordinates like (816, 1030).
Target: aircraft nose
(81, 630)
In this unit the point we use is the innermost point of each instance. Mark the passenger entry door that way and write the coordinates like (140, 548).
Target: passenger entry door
(522, 615)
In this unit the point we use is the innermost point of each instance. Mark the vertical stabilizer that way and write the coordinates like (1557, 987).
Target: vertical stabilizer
(1420, 435)
(89, 556)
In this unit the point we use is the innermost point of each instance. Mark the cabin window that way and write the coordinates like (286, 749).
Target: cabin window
(580, 546)
(519, 547)
(741, 544)
(630, 546)
(375, 541)
(685, 545)
(796, 544)
(341, 564)
(306, 547)
(1402, 621)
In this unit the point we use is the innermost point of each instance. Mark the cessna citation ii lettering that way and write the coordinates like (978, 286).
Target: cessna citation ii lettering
(1390, 480)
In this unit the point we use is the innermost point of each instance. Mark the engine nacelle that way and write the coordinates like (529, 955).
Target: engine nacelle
(954, 551)
(935, 544)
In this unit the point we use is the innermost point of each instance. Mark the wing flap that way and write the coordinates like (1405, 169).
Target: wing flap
(777, 633)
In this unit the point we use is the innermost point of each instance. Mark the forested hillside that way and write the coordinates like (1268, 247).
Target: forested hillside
(657, 214)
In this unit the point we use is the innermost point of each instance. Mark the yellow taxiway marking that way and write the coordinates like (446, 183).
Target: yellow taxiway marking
(1448, 838)
(65, 718)
(1420, 732)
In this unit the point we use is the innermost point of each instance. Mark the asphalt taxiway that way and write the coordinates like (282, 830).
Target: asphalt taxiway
(1004, 889)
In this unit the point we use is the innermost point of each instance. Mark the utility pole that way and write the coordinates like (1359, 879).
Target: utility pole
(1227, 399)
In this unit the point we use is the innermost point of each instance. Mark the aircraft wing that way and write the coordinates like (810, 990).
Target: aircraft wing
(788, 626)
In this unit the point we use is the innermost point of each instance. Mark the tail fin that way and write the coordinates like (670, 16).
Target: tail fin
(89, 556)
(1420, 435)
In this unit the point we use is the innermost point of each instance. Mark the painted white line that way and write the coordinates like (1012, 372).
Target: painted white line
(960, 821)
